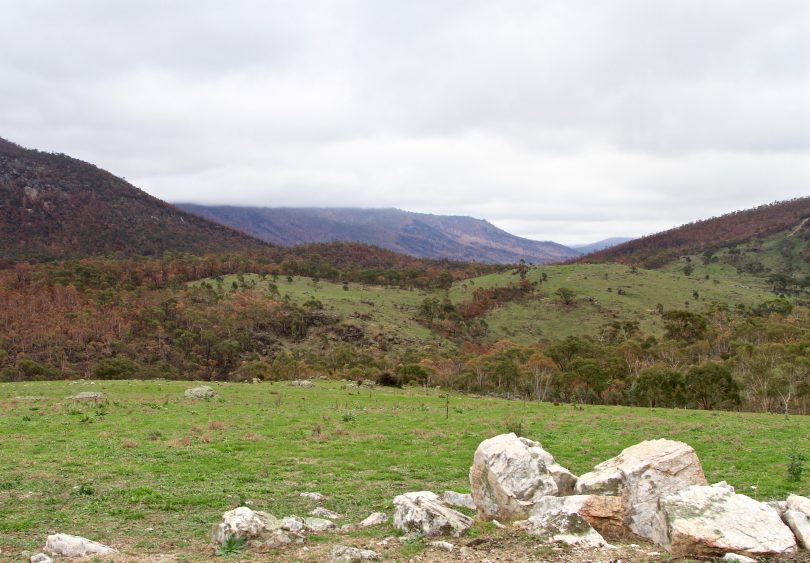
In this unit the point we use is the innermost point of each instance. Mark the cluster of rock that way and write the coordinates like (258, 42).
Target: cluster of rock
(656, 490)
(201, 392)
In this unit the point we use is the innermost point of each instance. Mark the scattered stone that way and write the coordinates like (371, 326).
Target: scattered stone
(498, 525)
(368, 383)
(253, 526)
(294, 524)
(711, 521)
(642, 474)
(561, 526)
(800, 525)
(443, 545)
(384, 542)
(319, 525)
(348, 554)
(301, 383)
(375, 519)
(459, 500)
(317, 497)
(40, 558)
(94, 396)
(322, 512)
(604, 513)
(202, 392)
(509, 474)
(255, 381)
(66, 545)
(738, 558)
(423, 512)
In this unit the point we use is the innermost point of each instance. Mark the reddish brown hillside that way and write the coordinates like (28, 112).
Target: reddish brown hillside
(55, 207)
(658, 249)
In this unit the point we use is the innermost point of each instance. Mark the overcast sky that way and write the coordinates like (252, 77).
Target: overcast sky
(565, 120)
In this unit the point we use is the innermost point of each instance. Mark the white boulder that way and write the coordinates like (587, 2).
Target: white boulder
(294, 524)
(65, 545)
(711, 521)
(317, 497)
(40, 558)
(799, 525)
(737, 558)
(642, 474)
(248, 524)
(201, 392)
(375, 519)
(458, 500)
(423, 512)
(796, 502)
(604, 513)
(319, 525)
(562, 526)
(322, 512)
(509, 474)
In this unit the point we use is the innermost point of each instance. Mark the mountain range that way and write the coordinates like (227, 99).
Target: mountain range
(416, 234)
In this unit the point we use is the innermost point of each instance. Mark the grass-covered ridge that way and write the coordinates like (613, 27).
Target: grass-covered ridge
(150, 471)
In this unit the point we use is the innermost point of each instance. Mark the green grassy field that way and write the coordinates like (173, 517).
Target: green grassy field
(151, 471)
(392, 311)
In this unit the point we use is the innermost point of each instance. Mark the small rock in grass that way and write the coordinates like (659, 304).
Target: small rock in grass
(248, 524)
(202, 392)
(443, 545)
(322, 512)
(458, 500)
(319, 525)
(375, 519)
(301, 383)
(348, 554)
(75, 546)
(40, 558)
(89, 396)
(292, 524)
(317, 497)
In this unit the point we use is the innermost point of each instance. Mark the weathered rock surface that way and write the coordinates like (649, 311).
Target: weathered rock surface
(317, 497)
(423, 512)
(249, 524)
(375, 519)
(66, 545)
(40, 558)
(301, 383)
(562, 526)
(642, 474)
(348, 554)
(294, 524)
(802, 504)
(94, 396)
(202, 392)
(509, 474)
(319, 525)
(737, 558)
(458, 500)
(711, 521)
(799, 525)
(443, 545)
(322, 512)
(604, 513)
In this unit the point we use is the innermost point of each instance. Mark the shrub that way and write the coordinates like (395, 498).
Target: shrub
(119, 367)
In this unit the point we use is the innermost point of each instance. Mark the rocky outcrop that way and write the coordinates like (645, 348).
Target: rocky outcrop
(562, 526)
(711, 521)
(640, 475)
(253, 526)
(603, 513)
(424, 513)
(202, 392)
(65, 545)
(509, 474)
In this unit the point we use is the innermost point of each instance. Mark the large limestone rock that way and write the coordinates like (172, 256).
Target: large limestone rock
(642, 474)
(603, 513)
(201, 392)
(711, 521)
(458, 500)
(253, 526)
(562, 526)
(509, 474)
(802, 504)
(423, 512)
(65, 545)
(800, 526)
